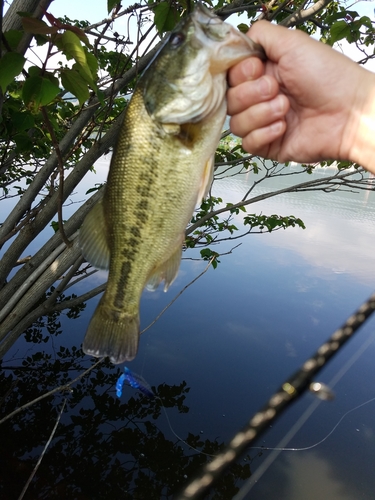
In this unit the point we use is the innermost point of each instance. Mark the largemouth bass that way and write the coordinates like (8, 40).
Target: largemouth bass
(162, 166)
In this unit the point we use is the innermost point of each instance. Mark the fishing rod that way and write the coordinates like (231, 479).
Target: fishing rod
(290, 391)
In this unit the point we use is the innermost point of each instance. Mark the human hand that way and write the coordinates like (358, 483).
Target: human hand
(305, 103)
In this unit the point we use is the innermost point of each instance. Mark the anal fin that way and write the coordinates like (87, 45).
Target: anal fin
(167, 271)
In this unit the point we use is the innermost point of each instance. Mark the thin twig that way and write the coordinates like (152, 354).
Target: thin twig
(43, 452)
(60, 163)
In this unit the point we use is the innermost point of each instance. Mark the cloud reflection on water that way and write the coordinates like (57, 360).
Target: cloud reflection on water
(340, 226)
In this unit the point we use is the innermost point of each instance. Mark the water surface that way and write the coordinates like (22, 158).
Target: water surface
(214, 358)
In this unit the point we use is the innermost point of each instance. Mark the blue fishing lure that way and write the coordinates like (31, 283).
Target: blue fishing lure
(135, 381)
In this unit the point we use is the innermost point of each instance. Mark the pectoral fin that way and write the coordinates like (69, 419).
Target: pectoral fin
(167, 271)
(207, 178)
(93, 238)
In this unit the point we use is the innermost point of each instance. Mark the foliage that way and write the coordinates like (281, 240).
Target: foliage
(103, 448)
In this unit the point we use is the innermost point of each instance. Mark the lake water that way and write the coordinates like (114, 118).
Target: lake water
(214, 358)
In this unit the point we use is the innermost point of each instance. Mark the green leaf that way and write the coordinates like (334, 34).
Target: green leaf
(34, 71)
(74, 83)
(23, 142)
(96, 188)
(206, 253)
(41, 40)
(244, 28)
(22, 121)
(52, 78)
(340, 15)
(13, 38)
(111, 4)
(366, 21)
(84, 75)
(11, 65)
(38, 91)
(166, 17)
(100, 95)
(80, 33)
(55, 225)
(339, 30)
(92, 62)
(72, 48)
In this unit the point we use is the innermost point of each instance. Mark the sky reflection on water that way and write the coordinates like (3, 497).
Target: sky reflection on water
(236, 334)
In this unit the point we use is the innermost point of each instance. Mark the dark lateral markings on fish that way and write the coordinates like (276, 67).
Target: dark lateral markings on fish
(164, 153)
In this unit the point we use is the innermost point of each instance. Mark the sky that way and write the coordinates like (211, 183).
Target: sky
(97, 10)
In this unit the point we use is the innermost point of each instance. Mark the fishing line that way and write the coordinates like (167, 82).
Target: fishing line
(289, 392)
(142, 380)
(178, 437)
(319, 442)
(138, 382)
(281, 446)
(161, 402)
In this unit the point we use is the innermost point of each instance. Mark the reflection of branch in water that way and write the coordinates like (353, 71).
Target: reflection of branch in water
(43, 452)
(61, 388)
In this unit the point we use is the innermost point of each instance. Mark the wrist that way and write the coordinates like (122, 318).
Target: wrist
(362, 140)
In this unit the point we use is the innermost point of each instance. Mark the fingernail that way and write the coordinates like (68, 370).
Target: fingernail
(248, 69)
(265, 86)
(278, 105)
(276, 127)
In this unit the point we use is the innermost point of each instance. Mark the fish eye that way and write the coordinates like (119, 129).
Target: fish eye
(176, 39)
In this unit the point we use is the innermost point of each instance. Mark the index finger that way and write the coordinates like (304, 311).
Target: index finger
(248, 69)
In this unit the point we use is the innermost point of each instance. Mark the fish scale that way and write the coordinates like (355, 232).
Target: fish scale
(162, 166)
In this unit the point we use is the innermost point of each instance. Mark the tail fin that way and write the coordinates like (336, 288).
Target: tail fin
(112, 334)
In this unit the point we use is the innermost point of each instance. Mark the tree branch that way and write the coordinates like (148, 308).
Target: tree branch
(66, 144)
(302, 15)
(317, 183)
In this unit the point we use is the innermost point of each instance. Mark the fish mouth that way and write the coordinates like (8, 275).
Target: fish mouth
(233, 46)
(210, 23)
(191, 83)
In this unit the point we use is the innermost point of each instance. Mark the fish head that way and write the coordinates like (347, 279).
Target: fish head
(186, 82)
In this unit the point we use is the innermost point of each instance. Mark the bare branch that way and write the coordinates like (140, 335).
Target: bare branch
(115, 15)
(71, 226)
(303, 15)
(17, 316)
(65, 145)
(316, 184)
